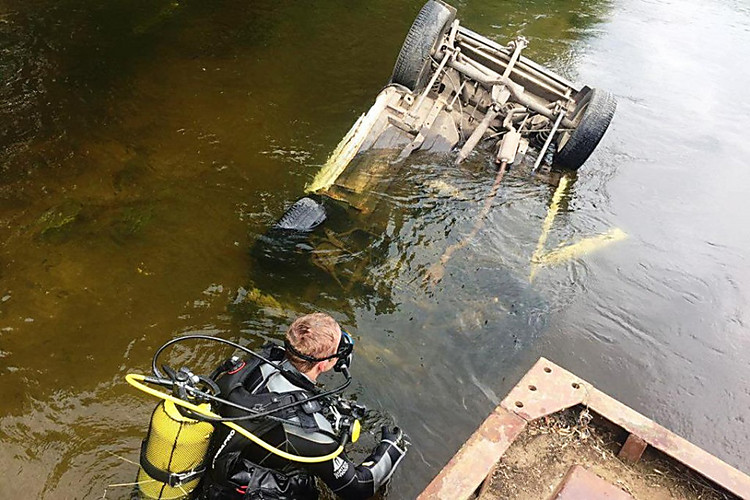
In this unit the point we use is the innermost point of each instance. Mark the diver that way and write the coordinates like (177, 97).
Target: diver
(241, 469)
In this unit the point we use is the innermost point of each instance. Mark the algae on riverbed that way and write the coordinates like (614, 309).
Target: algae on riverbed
(56, 223)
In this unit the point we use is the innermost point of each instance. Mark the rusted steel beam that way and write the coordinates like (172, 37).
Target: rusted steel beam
(487, 483)
(546, 389)
(472, 464)
(580, 483)
(557, 389)
(633, 449)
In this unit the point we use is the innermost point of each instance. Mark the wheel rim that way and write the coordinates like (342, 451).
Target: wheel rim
(576, 119)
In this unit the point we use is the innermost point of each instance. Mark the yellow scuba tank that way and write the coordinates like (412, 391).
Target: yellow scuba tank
(173, 454)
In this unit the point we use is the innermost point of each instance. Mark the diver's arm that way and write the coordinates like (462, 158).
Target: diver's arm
(353, 482)
(386, 456)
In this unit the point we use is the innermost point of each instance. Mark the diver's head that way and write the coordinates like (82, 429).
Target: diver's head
(312, 343)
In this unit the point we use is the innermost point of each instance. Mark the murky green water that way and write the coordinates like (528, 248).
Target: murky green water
(147, 145)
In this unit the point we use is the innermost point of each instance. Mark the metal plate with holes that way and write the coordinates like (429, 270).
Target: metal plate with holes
(546, 389)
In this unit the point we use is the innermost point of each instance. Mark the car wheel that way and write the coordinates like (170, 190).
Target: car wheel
(413, 61)
(305, 215)
(592, 117)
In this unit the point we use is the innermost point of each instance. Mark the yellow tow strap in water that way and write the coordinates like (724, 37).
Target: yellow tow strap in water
(137, 380)
(565, 253)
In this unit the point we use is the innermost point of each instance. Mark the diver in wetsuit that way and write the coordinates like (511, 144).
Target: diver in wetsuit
(241, 469)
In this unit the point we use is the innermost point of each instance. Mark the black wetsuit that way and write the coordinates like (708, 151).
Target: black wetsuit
(241, 469)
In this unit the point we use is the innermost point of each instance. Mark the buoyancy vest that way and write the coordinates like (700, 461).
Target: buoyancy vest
(261, 387)
(246, 383)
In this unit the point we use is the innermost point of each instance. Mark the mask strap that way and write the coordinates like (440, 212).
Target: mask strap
(305, 357)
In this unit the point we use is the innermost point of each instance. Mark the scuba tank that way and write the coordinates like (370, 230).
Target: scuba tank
(173, 455)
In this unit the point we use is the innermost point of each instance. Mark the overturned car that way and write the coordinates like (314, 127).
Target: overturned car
(452, 92)
(452, 89)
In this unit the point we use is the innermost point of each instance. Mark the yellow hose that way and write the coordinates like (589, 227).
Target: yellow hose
(135, 380)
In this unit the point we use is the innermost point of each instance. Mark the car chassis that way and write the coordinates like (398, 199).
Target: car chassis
(452, 88)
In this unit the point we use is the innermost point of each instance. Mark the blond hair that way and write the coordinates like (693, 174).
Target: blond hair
(314, 335)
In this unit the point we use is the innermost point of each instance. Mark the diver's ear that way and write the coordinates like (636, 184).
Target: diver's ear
(327, 365)
(320, 367)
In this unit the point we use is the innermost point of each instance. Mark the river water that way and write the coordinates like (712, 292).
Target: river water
(147, 145)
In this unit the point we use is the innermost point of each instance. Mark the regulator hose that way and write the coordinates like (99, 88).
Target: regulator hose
(136, 380)
(253, 415)
(237, 346)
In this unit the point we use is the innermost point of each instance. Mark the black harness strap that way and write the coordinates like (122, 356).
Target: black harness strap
(171, 478)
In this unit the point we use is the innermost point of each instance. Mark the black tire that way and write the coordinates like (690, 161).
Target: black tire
(412, 65)
(305, 215)
(598, 108)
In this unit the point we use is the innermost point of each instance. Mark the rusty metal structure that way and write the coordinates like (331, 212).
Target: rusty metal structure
(547, 389)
